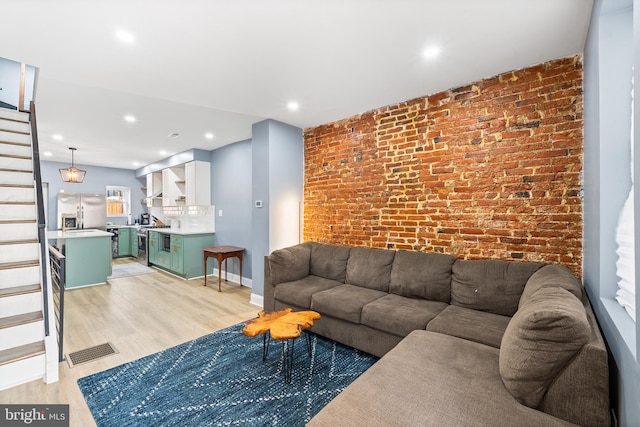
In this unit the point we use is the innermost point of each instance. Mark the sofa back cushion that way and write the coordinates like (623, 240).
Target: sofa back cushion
(490, 285)
(551, 276)
(370, 268)
(329, 261)
(541, 338)
(422, 275)
(289, 264)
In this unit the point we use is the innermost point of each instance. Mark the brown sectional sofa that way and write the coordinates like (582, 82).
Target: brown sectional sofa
(491, 342)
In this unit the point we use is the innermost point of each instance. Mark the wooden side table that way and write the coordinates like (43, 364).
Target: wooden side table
(222, 253)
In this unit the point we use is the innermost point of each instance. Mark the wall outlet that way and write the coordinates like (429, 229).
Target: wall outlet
(258, 203)
(219, 212)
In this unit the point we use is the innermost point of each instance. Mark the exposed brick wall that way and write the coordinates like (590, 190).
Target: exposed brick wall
(488, 170)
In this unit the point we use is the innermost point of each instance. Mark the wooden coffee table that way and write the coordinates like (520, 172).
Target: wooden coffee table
(284, 325)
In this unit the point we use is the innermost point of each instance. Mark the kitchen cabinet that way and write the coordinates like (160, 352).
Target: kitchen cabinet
(197, 183)
(177, 253)
(133, 251)
(154, 189)
(87, 253)
(124, 241)
(173, 186)
(185, 255)
(153, 247)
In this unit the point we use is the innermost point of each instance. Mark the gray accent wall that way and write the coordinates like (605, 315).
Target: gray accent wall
(612, 48)
(277, 183)
(95, 182)
(231, 193)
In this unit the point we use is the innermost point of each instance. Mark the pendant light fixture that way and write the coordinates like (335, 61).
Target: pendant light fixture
(72, 174)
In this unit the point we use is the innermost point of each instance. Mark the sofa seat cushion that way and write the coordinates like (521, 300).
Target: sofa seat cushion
(431, 379)
(344, 302)
(541, 339)
(490, 285)
(479, 326)
(370, 268)
(422, 275)
(298, 292)
(400, 315)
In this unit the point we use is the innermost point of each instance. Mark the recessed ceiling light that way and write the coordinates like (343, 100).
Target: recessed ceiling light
(173, 135)
(293, 106)
(125, 36)
(209, 135)
(57, 137)
(163, 152)
(431, 52)
(136, 163)
(48, 153)
(129, 118)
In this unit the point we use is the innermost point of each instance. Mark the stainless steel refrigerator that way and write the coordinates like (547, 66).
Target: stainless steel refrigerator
(89, 209)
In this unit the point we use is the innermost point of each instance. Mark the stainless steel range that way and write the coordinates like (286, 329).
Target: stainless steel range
(143, 242)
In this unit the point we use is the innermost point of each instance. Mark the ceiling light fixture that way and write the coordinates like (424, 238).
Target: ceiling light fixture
(293, 106)
(129, 118)
(431, 52)
(136, 164)
(48, 153)
(72, 174)
(124, 36)
(57, 137)
(209, 135)
(173, 135)
(163, 152)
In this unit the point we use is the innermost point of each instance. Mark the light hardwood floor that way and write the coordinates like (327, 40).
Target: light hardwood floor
(139, 315)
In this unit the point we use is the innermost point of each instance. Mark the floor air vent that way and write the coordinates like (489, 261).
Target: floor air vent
(89, 354)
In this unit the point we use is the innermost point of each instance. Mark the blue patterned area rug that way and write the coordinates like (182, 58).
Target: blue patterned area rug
(220, 379)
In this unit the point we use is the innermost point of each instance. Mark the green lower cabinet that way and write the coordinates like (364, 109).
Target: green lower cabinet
(164, 259)
(153, 247)
(185, 255)
(88, 260)
(177, 254)
(134, 244)
(124, 242)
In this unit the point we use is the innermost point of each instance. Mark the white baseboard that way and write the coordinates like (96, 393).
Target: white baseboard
(257, 300)
(232, 277)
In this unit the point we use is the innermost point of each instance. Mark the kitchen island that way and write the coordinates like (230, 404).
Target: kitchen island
(87, 255)
(179, 251)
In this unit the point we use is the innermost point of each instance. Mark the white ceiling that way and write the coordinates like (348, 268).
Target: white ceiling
(219, 66)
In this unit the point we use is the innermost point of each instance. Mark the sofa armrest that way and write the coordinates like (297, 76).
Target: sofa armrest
(284, 265)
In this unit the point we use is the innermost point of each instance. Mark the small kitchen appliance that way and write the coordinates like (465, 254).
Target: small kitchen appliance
(145, 219)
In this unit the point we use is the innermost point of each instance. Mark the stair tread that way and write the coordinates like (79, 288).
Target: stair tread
(16, 202)
(20, 264)
(18, 242)
(19, 290)
(22, 352)
(16, 185)
(19, 132)
(17, 221)
(20, 319)
(20, 144)
(15, 156)
(15, 170)
(11, 119)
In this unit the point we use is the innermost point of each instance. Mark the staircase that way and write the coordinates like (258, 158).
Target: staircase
(24, 348)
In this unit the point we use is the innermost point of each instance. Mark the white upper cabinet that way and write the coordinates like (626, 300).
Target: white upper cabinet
(173, 185)
(188, 184)
(197, 183)
(154, 189)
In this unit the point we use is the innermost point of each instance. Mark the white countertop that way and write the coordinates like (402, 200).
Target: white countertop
(181, 231)
(76, 234)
